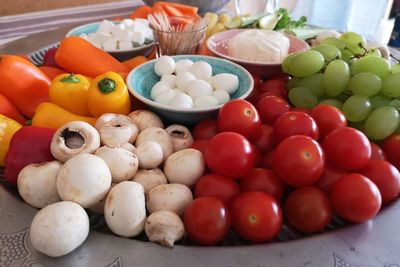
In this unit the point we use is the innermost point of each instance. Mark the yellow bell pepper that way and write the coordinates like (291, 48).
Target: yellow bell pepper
(50, 115)
(108, 94)
(7, 129)
(70, 91)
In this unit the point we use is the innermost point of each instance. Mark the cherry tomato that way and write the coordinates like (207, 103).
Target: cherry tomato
(275, 87)
(263, 138)
(385, 176)
(257, 155)
(304, 110)
(257, 81)
(256, 216)
(201, 145)
(205, 129)
(271, 107)
(238, 116)
(330, 175)
(328, 118)
(207, 220)
(298, 161)
(295, 123)
(214, 185)
(280, 76)
(355, 198)
(266, 160)
(308, 209)
(377, 152)
(263, 180)
(230, 154)
(347, 148)
(391, 148)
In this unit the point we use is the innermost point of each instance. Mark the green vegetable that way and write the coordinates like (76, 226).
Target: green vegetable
(286, 22)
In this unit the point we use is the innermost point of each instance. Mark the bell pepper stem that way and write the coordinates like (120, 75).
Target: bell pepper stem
(106, 85)
(70, 79)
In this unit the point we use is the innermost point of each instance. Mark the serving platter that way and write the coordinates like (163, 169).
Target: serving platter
(373, 243)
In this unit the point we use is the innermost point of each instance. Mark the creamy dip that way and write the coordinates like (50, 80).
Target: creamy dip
(259, 46)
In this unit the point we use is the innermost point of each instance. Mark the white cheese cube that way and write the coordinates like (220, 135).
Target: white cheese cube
(95, 40)
(142, 22)
(110, 44)
(118, 29)
(125, 45)
(124, 35)
(128, 22)
(105, 26)
(104, 36)
(137, 38)
(84, 36)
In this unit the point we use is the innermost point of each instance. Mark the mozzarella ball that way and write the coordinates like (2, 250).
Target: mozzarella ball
(225, 81)
(198, 88)
(159, 88)
(59, 228)
(169, 79)
(164, 65)
(222, 96)
(182, 100)
(166, 97)
(205, 101)
(202, 70)
(183, 78)
(183, 65)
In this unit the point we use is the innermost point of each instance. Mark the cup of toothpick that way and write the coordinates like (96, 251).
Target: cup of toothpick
(176, 39)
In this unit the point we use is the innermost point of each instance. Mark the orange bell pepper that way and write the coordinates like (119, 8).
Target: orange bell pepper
(134, 62)
(24, 84)
(141, 12)
(8, 109)
(51, 72)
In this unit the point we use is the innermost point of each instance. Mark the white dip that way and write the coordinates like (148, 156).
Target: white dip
(259, 46)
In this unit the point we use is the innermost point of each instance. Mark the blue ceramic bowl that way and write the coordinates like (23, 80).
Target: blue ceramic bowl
(118, 54)
(141, 79)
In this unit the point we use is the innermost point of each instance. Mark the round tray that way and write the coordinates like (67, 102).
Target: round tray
(373, 243)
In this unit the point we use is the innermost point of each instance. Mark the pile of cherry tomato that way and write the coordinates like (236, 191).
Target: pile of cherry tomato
(270, 164)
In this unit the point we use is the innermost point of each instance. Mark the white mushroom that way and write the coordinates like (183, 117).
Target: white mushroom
(150, 178)
(84, 179)
(74, 138)
(181, 136)
(158, 135)
(37, 183)
(164, 227)
(125, 210)
(172, 197)
(150, 154)
(99, 207)
(129, 147)
(59, 228)
(122, 164)
(145, 119)
(185, 167)
(116, 129)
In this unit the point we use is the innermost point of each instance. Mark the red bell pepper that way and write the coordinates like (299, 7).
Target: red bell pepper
(30, 144)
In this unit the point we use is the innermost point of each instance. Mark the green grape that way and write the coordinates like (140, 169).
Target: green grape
(286, 63)
(359, 125)
(378, 101)
(332, 102)
(354, 42)
(381, 123)
(391, 85)
(376, 65)
(302, 98)
(329, 52)
(336, 77)
(306, 63)
(347, 55)
(314, 83)
(293, 82)
(357, 108)
(395, 103)
(374, 52)
(365, 83)
(395, 68)
(340, 44)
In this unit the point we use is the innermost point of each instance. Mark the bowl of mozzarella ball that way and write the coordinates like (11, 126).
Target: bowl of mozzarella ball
(122, 39)
(188, 88)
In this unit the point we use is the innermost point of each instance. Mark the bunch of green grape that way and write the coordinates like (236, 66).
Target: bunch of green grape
(341, 72)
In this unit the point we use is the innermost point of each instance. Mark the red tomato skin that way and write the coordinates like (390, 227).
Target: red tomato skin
(257, 81)
(257, 155)
(377, 152)
(256, 216)
(275, 87)
(201, 145)
(207, 220)
(214, 185)
(230, 154)
(355, 198)
(281, 76)
(304, 110)
(295, 123)
(238, 116)
(271, 107)
(266, 160)
(263, 180)
(205, 129)
(385, 176)
(347, 148)
(298, 161)
(329, 176)
(308, 209)
(263, 138)
(328, 118)
(391, 148)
